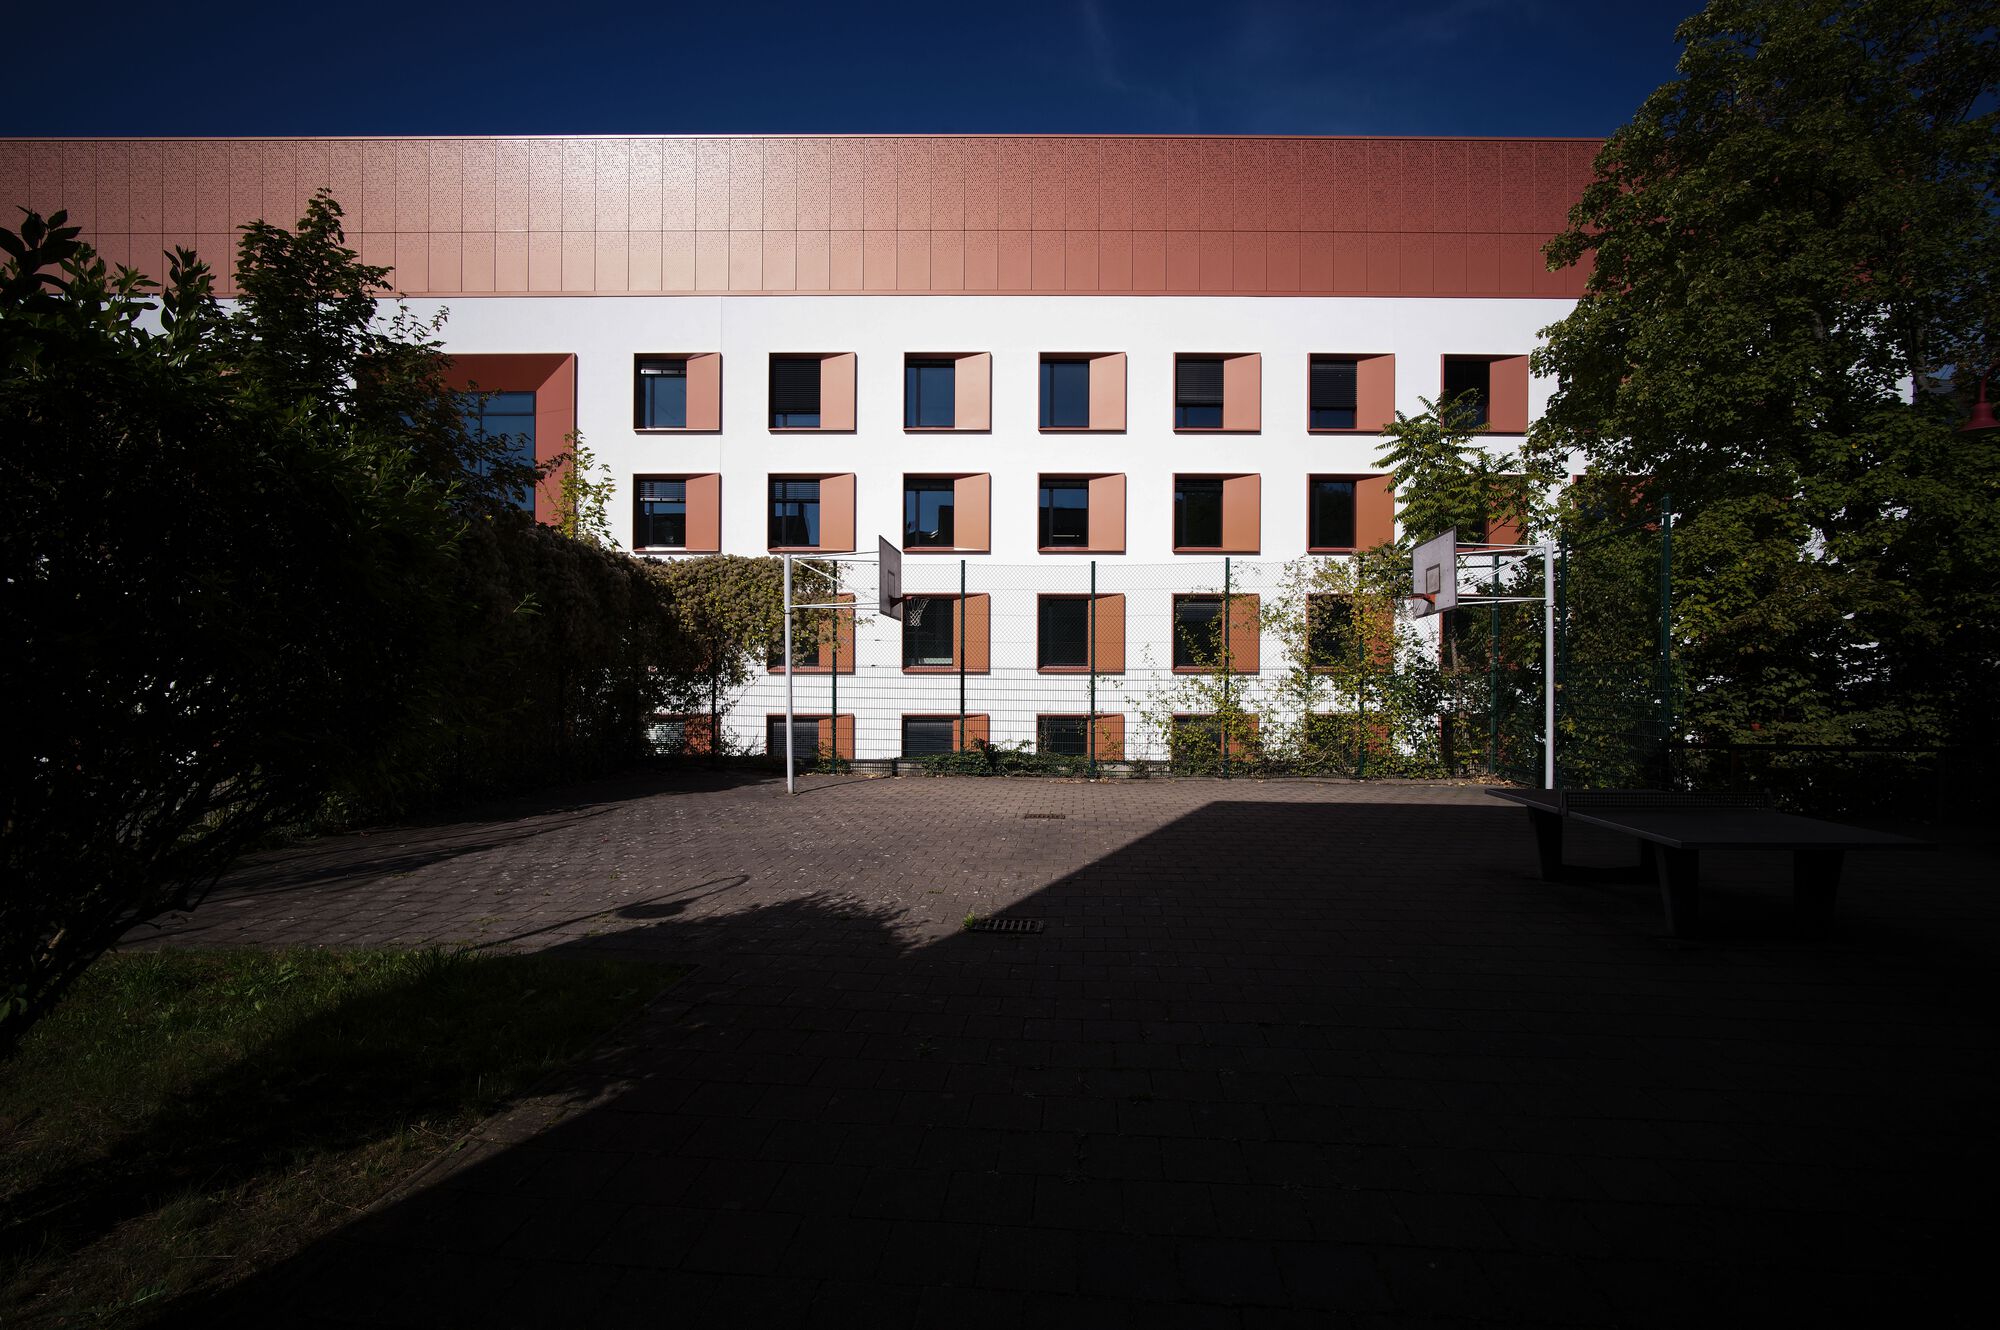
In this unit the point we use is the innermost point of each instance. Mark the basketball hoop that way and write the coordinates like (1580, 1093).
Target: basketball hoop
(1418, 605)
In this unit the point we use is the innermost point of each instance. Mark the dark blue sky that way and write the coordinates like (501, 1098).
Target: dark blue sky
(1477, 67)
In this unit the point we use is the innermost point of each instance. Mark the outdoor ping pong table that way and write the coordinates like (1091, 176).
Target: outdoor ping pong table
(1674, 827)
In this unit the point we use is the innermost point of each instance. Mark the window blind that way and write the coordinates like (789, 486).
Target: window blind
(1333, 385)
(1198, 383)
(795, 387)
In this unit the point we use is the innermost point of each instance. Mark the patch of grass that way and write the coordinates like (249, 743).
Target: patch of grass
(187, 1118)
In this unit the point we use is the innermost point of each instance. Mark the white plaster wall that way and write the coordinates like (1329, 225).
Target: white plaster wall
(605, 333)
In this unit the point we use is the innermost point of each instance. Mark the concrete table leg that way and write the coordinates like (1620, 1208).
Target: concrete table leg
(1548, 842)
(1679, 872)
(1815, 883)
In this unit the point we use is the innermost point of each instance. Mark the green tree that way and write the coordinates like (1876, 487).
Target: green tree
(1792, 292)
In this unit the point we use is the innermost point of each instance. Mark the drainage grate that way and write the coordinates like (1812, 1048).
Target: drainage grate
(1046, 817)
(1004, 925)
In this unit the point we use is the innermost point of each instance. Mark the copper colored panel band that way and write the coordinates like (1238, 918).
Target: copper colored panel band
(704, 513)
(836, 513)
(1107, 391)
(1374, 392)
(1245, 629)
(1107, 514)
(1243, 392)
(836, 397)
(704, 391)
(972, 513)
(1242, 514)
(972, 392)
(1108, 643)
(1374, 512)
(1111, 738)
(1509, 412)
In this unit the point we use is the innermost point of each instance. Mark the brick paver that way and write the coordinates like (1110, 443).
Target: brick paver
(1287, 1052)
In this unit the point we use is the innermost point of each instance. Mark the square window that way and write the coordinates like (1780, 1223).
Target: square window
(928, 502)
(805, 737)
(660, 394)
(1331, 516)
(930, 390)
(1335, 400)
(1194, 739)
(795, 392)
(1468, 375)
(659, 518)
(1332, 637)
(929, 631)
(504, 426)
(794, 514)
(1197, 514)
(1063, 736)
(1065, 516)
(1197, 632)
(1065, 394)
(1062, 633)
(925, 736)
(1197, 393)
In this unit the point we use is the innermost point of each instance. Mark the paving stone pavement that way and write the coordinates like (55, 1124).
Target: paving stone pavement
(1287, 1053)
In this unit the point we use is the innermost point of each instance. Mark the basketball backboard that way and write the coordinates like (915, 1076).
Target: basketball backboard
(1434, 572)
(889, 566)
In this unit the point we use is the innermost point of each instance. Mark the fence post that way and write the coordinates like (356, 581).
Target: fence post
(1560, 664)
(963, 642)
(789, 783)
(1222, 730)
(833, 759)
(1493, 676)
(1666, 639)
(1091, 723)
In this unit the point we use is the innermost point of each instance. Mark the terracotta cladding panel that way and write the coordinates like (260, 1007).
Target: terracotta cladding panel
(1348, 216)
(378, 187)
(814, 197)
(678, 174)
(711, 185)
(781, 185)
(413, 187)
(613, 202)
(746, 185)
(913, 185)
(879, 169)
(844, 169)
(947, 185)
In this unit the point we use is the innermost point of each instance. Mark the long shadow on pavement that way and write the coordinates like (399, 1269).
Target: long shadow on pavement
(1271, 1060)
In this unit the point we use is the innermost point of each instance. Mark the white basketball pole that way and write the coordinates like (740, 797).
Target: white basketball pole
(1549, 666)
(788, 674)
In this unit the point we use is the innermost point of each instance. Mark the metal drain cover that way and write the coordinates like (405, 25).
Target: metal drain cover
(1005, 925)
(1046, 817)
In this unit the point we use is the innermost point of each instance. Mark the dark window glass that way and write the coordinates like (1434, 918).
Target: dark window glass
(1065, 394)
(928, 624)
(805, 738)
(1197, 393)
(1194, 738)
(507, 419)
(1331, 638)
(1197, 631)
(795, 392)
(670, 733)
(1470, 376)
(929, 393)
(1197, 514)
(1063, 736)
(1065, 514)
(660, 518)
(1332, 504)
(927, 513)
(794, 512)
(1335, 399)
(924, 735)
(1063, 632)
(662, 391)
